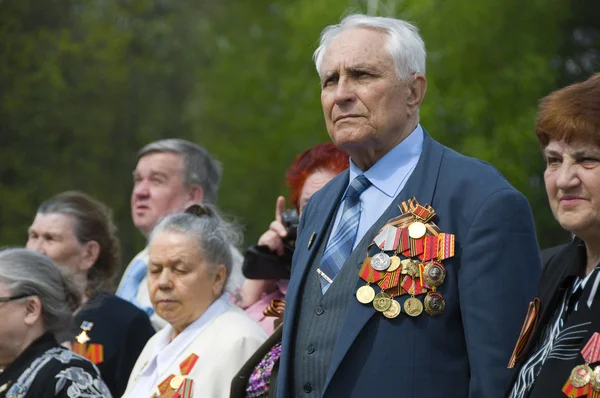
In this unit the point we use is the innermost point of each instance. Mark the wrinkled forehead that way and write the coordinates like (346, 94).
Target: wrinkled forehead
(53, 223)
(357, 46)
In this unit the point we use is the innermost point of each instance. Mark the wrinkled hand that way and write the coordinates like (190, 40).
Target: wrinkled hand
(273, 238)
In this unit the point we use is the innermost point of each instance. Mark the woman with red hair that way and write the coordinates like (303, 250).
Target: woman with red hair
(310, 172)
(558, 352)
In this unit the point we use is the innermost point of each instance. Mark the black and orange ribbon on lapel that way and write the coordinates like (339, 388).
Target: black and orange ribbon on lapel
(533, 313)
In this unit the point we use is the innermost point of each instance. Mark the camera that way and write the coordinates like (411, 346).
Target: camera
(261, 263)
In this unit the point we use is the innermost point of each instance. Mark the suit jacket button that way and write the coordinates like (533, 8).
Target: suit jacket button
(308, 388)
(310, 349)
(319, 310)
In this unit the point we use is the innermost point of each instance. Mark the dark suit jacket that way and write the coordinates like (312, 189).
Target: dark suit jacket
(240, 381)
(122, 329)
(556, 279)
(489, 282)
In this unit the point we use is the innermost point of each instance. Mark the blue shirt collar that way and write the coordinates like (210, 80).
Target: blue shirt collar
(388, 174)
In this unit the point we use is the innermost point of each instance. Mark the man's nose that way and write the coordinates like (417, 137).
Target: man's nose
(344, 91)
(141, 189)
(39, 246)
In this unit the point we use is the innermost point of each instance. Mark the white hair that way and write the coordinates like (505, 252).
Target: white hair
(404, 44)
(215, 237)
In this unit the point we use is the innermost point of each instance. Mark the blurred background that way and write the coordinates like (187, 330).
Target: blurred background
(85, 84)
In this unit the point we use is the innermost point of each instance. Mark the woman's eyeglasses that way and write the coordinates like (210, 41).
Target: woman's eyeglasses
(11, 298)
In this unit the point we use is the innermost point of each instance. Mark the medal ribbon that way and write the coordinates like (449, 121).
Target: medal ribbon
(591, 351)
(390, 280)
(574, 392)
(445, 246)
(188, 364)
(368, 273)
(395, 291)
(430, 248)
(164, 386)
(416, 247)
(186, 388)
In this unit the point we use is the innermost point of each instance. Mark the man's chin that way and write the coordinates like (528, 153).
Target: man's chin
(143, 226)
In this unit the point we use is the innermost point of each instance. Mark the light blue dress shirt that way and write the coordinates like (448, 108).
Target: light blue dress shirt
(388, 176)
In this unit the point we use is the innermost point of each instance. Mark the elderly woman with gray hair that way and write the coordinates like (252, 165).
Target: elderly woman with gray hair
(36, 306)
(207, 339)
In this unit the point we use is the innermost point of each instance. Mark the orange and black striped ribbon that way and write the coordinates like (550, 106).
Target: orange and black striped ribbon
(395, 291)
(275, 308)
(526, 331)
(416, 247)
(390, 280)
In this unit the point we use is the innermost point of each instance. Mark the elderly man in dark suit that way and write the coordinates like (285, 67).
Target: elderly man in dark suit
(414, 268)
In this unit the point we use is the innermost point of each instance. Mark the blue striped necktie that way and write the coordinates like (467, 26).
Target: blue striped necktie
(340, 246)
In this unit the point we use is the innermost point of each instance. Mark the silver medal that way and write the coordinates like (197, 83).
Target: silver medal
(380, 262)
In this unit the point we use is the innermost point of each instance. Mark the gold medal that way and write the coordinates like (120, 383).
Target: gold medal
(410, 267)
(382, 302)
(380, 261)
(434, 274)
(413, 307)
(365, 294)
(83, 337)
(434, 304)
(394, 264)
(416, 230)
(595, 379)
(176, 382)
(580, 376)
(393, 311)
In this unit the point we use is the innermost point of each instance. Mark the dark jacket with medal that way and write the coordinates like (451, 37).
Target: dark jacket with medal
(239, 383)
(578, 325)
(116, 334)
(460, 353)
(47, 370)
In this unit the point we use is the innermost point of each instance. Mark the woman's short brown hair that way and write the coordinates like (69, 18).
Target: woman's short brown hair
(571, 114)
(93, 222)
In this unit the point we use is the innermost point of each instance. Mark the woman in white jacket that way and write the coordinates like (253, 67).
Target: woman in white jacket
(208, 339)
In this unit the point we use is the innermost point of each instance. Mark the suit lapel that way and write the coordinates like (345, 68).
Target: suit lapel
(421, 184)
(321, 215)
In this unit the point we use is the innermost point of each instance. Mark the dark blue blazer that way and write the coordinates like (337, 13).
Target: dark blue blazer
(489, 283)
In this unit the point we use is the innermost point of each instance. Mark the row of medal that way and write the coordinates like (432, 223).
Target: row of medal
(413, 268)
(583, 381)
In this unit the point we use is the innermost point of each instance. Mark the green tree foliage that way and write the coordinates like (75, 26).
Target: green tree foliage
(84, 84)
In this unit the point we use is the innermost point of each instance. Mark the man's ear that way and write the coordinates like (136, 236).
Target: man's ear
(219, 282)
(33, 310)
(195, 195)
(417, 86)
(90, 255)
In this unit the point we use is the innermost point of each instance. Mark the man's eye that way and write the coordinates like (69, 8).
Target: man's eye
(329, 81)
(552, 160)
